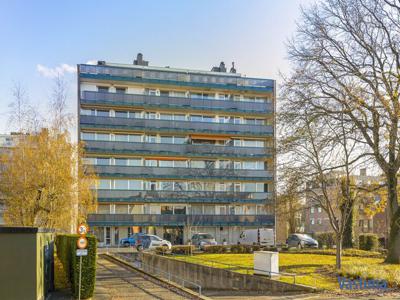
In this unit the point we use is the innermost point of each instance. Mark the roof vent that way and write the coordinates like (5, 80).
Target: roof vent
(101, 62)
(139, 60)
(221, 68)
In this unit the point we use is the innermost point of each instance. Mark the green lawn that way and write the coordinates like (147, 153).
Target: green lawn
(311, 269)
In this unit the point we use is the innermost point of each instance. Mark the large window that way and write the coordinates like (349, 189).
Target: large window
(120, 184)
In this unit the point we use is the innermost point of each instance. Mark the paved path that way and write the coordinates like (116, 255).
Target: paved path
(114, 281)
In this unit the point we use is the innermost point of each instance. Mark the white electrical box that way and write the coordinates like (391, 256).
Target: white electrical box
(266, 263)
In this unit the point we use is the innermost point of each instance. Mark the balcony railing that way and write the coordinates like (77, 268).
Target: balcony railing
(141, 196)
(168, 126)
(181, 173)
(179, 220)
(171, 77)
(117, 99)
(187, 150)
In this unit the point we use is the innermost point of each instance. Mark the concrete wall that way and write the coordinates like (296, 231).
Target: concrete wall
(218, 279)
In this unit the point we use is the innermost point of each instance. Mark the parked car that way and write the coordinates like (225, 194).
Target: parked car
(259, 236)
(201, 240)
(149, 241)
(129, 241)
(300, 241)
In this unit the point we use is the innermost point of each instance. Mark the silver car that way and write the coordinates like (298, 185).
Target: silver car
(203, 239)
(300, 241)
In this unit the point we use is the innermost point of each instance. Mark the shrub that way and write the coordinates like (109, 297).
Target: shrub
(244, 248)
(368, 241)
(162, 250)
(66, 252)
(237, 249)
(256, 248)
(326, 239)
(184, 249)
(215, 249)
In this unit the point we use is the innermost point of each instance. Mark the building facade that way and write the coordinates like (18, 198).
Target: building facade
(177, 151)
(317, 220)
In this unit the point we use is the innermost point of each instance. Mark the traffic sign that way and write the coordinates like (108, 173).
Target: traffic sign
(82, 229)
(81, 252)
(82, 242)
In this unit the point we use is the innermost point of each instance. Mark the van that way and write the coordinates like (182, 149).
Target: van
(259, 236)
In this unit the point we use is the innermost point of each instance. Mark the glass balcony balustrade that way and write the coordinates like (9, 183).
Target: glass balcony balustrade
(169, 126)
(149, 101)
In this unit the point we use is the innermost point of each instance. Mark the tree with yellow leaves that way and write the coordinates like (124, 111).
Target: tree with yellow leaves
(44, 182)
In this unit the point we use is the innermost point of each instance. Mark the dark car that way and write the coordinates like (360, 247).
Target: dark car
(300, 241)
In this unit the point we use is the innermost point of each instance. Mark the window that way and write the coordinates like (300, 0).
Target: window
(167, 139)
(151, 115)
(180, 117)
(121, 209)
(249, 187)
(151, 138)
(134, 138)
(225, 164)
(150, 163)
(179, 140)
(89, 160)
(319, 209)
(208, 119)
(103, 113)
(135, 114)
(196, 118)
(180, 186)
(312, 209)
(166, 163)
(121, 114)
(180, 210)
(103, 209)
(87, 112)
(102, 89)
(121, 161)
(104, 184)
(88, 136)
(152, 92)
(319, 221)
(166, 116)
(197, 164)
(122, 138)
(120, 184)
(312, 221)
(135, 184)
(209, 209)
(120, 90)
(167, 186)
(197, 210)
(135, 162)
(102, 137)
(151, 185)
(103, 161)
(180, 164)
(166, 210)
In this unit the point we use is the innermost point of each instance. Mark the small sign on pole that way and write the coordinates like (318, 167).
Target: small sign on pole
(81, 252)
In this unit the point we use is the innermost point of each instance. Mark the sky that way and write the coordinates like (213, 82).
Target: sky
(42, 38)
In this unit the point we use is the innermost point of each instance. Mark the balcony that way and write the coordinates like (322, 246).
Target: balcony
(179, 220)
(181, 173)
(168, 126)
(185, 150)
(147, 101)
(141, 196)
(164, 76)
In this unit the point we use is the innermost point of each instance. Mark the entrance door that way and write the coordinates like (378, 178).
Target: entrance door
(116, 235)
(108, 236)
(174, 234)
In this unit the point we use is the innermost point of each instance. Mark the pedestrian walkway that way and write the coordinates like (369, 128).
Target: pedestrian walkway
(114, 281)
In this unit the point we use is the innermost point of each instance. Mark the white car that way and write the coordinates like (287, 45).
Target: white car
(150, 241)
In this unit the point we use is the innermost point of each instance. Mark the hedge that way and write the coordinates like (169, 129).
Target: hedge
(184, 249)
(66, 252)
(368, 241)
(215, 249)
(326, 239)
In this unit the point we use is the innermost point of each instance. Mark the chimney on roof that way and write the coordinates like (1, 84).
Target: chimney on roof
(221, 68)
(233, 70)
(139, 60)
(101, 62)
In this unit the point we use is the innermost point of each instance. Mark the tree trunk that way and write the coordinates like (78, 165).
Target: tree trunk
(394, 214)
(338, 251)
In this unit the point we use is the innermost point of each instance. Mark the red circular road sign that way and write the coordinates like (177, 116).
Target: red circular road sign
(82, 242)
(82, 229)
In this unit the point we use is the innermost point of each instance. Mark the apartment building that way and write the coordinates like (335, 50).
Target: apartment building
(317, 221)
(177, 151)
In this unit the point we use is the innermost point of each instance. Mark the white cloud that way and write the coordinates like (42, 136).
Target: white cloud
(54, 72)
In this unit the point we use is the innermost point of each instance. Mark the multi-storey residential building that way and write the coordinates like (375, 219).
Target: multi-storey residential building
(317, 221)
(177, 151)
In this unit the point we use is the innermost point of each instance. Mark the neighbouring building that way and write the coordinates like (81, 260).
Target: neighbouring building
(7, 141)
(177, 151)
(317, 221)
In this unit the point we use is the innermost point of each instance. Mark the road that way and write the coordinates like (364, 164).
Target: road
(114, 281)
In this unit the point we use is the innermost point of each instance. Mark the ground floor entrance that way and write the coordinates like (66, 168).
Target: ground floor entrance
(109, 236)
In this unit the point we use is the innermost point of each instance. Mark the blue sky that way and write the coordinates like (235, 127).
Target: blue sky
(40, 37)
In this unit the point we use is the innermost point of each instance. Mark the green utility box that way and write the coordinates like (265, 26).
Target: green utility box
(26, 262)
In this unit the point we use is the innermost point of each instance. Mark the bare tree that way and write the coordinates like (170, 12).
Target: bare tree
(348, 53)
(323, 151)
(60, 117)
